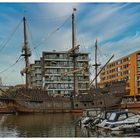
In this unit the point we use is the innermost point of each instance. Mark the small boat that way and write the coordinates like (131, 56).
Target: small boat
(121, 121)
(92, 117)
(88, 117)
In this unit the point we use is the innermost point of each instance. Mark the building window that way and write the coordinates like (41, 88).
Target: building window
(139, 77)
(139, 91)
(76, 105)
(138, 83)
(57, 55)
(119, 68)
(117, 63)
(138, 63)
(119, 79)
(138, 69)
(138, 56)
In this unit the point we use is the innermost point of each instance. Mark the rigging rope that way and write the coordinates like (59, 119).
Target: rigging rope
(51, 34)
(57, 29)
(11, 65)
(47, 18)
(32, 40)
(10, 37)
(7, 75)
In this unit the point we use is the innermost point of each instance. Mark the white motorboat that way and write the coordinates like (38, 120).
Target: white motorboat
(91, 117)
(121, 121)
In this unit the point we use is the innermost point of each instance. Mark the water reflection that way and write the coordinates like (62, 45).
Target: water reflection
(50, 125)
(38, 125)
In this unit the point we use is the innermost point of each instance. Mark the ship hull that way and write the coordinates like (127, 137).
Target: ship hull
(62, 105)
(39, 101)
(131, 106)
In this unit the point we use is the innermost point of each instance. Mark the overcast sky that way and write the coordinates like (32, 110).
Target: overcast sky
(115, 25)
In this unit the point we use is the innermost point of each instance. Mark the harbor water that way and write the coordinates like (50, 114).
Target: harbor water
(48, 125)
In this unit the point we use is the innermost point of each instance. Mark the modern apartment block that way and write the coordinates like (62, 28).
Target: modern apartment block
(36, 74)
(57, 76)
(127, 67)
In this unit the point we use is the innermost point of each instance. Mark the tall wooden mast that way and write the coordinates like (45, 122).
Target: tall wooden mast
(73, 55)
(96, 64)
(26, 52)
(73, 52)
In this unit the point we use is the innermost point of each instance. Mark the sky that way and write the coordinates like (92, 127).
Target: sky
(116, 26)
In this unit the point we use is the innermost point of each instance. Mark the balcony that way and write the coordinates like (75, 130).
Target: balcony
(56, 67)
(83, 89)
(56, 59)
(58, 82)
(138, 57)
(60, 89)
(38, 79)
(37, 66)
(83, 82)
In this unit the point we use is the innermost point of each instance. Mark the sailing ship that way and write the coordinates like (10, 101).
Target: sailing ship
(29, 100)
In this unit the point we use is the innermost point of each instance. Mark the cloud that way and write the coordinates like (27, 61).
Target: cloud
(122, 47)
(58, 9)
(108, 21)
(116, 25)
(101, 13)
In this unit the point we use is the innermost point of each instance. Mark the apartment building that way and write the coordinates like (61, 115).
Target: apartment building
(54, 72)
(127, 67)
(36, 74)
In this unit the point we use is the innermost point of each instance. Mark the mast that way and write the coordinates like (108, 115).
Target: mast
(96, 67)
(26, 52)
(73, 52)
(96, 64)
(73, 55)
(101, 70)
